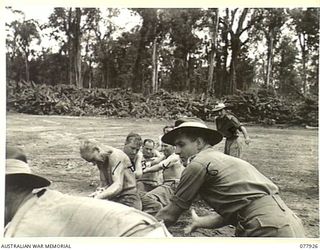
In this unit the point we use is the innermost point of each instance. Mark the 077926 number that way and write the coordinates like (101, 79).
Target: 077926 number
(309, 246)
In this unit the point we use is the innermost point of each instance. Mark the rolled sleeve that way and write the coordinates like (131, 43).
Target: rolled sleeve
(191, 180)
(235, 122)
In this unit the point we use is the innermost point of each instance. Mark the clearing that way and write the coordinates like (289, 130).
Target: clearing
(289, 157)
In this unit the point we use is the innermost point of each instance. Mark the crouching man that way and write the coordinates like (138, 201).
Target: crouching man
(236, 190)
(118, 182)
(171, 169)
(33, 210)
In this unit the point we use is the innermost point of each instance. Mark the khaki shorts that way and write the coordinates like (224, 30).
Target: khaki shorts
(268, 216)
(130, 200)
(233, 147)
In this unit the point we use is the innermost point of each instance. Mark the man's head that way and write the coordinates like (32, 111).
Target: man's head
(148, 147)
(167, 149)
(18, 171)
(15, 153)
(132, 145)
(91, 151)
(191, 137)
(220, 109)
(19, 181)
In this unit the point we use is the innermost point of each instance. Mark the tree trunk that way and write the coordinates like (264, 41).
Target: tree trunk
(70, 47)
(137, 81)
(269, 61)
(187, 72)
(154, 88)
(77, 49)
(304, 69)
(224, 83)
(214, 43)
(27, 66)
(235, 48)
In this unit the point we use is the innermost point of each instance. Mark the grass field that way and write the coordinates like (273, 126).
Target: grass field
(289, 157)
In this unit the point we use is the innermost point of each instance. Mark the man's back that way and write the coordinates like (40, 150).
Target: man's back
(129, 181)
(114, 160)
(54, 214)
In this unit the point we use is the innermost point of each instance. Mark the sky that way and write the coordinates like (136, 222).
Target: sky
(126, 20)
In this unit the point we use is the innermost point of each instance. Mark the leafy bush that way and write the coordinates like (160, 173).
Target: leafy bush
(261, 107)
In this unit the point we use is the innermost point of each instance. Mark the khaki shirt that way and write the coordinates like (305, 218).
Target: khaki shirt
(226, 183)
(59, 215)
(228, 126)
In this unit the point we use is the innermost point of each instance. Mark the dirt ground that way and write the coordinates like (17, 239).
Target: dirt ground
(289, 157)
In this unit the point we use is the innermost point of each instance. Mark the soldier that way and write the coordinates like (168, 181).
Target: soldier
(236, 190)
(171, 168)
(229, 126)
(117, 177)
(131, 148)
(33, 210)
(149, 181)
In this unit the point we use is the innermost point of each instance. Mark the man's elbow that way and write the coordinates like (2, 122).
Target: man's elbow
(138, 174)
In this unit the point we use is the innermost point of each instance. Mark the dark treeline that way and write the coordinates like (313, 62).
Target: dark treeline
(213, 51)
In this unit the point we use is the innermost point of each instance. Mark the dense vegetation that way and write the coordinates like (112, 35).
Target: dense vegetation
(256, 107)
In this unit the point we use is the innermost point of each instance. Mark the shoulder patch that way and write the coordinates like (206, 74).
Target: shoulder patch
(210, 171)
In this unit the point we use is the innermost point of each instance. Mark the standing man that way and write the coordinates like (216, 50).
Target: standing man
(118, 182)
(49, 213)
(229, 126)
(236, 190)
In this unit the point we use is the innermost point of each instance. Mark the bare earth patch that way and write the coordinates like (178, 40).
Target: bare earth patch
(289, 157)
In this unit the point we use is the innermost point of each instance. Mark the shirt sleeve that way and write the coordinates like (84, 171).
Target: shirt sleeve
(235, 122)
(191, 180)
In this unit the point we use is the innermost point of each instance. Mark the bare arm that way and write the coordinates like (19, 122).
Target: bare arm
(103, 181)
(157, 159)
(166, 163)
(116, 187)
(212, 221)
(245, 134)
(154, 168)
(138, 165)
(169, 214)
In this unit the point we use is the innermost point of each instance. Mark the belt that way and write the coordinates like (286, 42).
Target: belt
(264, 200)
(171, 183)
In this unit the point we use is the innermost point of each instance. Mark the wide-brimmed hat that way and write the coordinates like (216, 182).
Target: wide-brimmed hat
(183, 119)
(194, 127)
(218, 107)
(19, 173)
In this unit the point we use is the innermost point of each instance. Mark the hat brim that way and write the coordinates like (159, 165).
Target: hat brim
(217, 109)
(27, 180)
(212, 136)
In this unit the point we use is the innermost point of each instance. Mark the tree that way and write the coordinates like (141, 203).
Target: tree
(23, 34)
(186, 44)
(214, 45)
(147, 35)
(270, 25)
(306, 26)
(68, 27)
(286, 70)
